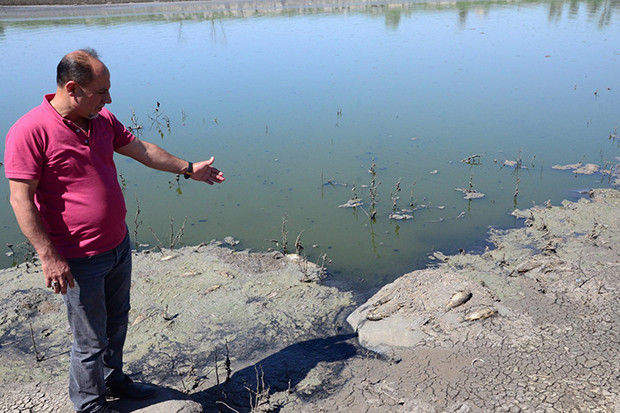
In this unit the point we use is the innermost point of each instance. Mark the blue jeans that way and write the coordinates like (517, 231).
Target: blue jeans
(98, 312)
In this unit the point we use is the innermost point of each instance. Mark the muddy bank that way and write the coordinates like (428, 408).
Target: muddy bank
(220, 330)
(199, 315)
(534, 326)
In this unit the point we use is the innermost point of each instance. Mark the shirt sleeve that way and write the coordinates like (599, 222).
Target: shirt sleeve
(122, 136)
(23, 154)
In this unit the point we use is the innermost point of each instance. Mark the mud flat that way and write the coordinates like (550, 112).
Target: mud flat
(539, 333)
(200, 316)
(535, 329)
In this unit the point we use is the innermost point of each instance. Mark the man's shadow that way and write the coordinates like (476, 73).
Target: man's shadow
(251, 386)
(282, 371)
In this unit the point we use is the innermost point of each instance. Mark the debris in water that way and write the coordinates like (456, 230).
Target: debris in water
(470, 193)
(567, 167)
(231, 241)
(472, 160)
(352, 203)
(399, 216)
(579, 168)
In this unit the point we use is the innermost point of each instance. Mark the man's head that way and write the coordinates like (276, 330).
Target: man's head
(76, 66)
(83, 83)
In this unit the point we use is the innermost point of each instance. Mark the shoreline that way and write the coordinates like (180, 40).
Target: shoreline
(552, 285)
(39, 9)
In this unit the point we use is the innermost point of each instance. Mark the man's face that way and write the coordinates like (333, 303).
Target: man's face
(91, 98)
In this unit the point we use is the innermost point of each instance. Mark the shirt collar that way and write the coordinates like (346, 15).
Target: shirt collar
(47, 105)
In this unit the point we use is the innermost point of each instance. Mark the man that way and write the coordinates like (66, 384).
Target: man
(69, 204)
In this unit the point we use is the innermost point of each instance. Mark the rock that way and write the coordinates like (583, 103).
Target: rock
(416, 310)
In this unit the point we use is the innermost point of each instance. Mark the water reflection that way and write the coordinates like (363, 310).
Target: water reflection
(600, 11)
(290, 99)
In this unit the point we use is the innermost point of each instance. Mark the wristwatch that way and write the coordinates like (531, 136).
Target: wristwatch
(189, 171)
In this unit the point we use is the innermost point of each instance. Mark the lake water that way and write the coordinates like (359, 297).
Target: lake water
(296, 103)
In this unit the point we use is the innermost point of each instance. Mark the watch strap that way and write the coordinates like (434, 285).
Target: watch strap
(189, 171)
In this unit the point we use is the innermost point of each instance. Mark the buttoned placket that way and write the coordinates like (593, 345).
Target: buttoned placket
(82, 135)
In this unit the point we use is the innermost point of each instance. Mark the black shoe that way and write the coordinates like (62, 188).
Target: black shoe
(106, 409)
(129, 390)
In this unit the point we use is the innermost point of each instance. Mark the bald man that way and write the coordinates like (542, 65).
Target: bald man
(68, 203)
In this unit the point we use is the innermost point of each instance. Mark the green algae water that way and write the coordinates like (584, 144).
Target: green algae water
(298, 104)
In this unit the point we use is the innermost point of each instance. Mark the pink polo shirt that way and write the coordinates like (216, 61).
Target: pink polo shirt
(79, 197)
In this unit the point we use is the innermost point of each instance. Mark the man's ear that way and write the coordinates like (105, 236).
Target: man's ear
(71, 87)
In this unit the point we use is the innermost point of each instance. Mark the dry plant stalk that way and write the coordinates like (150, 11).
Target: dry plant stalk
(38, 356)
(259, 398)
(298, 245)
(136, 222)
(373, 190)
(395, 196)
(412, 202)
(176, 238)
(227, 363)
(159, 245)
(518, 180)
(284, 236)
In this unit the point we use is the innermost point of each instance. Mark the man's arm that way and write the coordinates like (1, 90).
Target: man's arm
(155, 157)
(55, 266)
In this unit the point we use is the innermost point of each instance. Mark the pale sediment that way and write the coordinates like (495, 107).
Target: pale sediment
(550, 291)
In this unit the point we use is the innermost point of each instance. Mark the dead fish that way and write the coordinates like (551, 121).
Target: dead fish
(212, 288)
(168, 257)
(374, 315)
(189, 274)
(457, 299)
(225, 273)
(480, 314)
(139, 319)
(384, 299)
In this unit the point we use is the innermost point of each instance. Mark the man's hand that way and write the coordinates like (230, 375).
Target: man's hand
(203, 171)
(57, 274)
(155, 157)
(55, 267)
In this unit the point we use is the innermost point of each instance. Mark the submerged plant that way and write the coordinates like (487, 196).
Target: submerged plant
(373, 190)
(135, 127)
(394, 196)
(160, 121)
